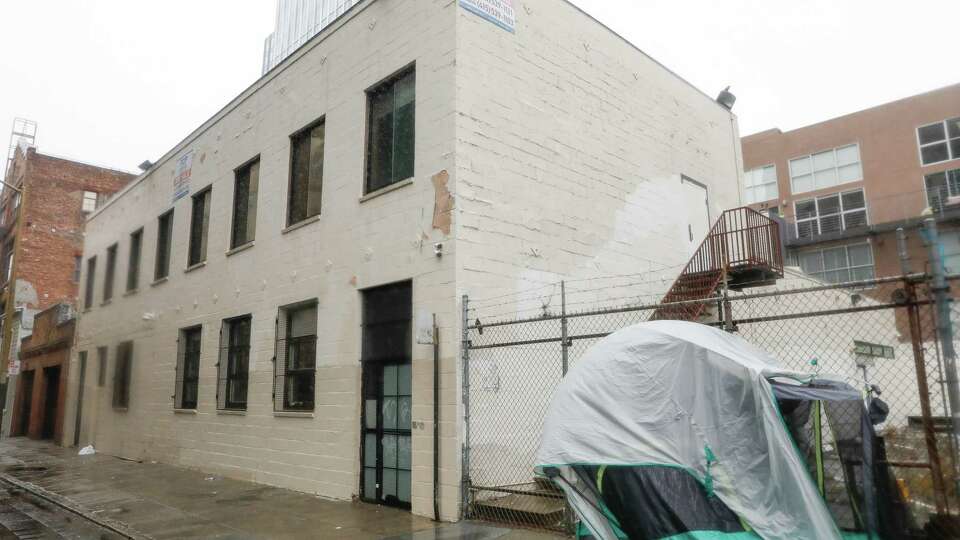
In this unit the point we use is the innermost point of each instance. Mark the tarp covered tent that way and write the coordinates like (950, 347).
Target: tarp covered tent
(675, 429)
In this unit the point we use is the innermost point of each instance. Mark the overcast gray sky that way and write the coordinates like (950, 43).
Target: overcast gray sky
(118, 81)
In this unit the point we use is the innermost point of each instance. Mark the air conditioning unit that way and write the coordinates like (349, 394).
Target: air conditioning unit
(952, 201)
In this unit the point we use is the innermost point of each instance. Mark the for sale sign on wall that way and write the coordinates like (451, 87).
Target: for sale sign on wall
(181, 177)
(499, 12)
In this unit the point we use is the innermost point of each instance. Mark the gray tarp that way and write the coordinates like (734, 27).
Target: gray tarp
(663, 393)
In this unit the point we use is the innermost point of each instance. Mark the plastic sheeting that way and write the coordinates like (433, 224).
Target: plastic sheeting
(685, 395)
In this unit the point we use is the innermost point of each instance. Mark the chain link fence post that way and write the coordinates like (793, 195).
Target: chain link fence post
(465, 390)
(942, 300)
(564, 338)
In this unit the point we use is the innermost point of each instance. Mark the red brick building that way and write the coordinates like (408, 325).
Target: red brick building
(40, 394)
(42, 220)
(844, 185)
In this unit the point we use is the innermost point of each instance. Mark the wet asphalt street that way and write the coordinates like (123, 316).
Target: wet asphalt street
(24, 516)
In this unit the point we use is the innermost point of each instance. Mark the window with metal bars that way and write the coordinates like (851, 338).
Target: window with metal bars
(91, 279)
(122, 374)
(245, 188)
(133, 263)
(189, 347)
(233, 366)
(943, 189)
(199, 224)
(391, 118)
(164, 236)
(110, 274)
(296, 357)
(831, 214)
(306, 172)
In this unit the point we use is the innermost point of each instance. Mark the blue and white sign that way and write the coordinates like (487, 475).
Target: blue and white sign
(499, 12)
(181, 177)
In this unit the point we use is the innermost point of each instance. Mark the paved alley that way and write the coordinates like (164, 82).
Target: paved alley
(152, 500)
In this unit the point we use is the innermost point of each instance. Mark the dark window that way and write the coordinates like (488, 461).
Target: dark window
(295, 367)
(91, 276)
(164, 235)
(390, 131)
(121, 375)
(940, 141)
(245, 188)
(101, 366)
(133, 265)
(199, 223)
(110, 274)
(188, 368)
(77, 268)
(234, 364)
(306, 173)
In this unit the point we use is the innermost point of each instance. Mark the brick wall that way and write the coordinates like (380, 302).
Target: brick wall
(52, 224)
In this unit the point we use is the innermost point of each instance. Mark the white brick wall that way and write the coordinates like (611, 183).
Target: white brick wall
(564, 146)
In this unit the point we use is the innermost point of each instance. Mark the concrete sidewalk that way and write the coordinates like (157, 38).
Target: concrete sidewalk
(159, 501)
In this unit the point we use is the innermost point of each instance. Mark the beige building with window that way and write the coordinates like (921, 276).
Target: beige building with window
(260, 303)
(844, 185)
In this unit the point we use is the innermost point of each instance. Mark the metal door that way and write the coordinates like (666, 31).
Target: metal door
(695, 200)
(387, 435)
(387, 395)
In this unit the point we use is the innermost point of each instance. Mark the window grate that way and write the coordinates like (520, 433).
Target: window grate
(831, 214)
(295, 360)
(234, 364)
(189, 348)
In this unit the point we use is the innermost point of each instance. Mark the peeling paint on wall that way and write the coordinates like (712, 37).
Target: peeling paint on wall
(443, 202)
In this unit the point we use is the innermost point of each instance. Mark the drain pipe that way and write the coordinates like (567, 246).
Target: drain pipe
(436, 420)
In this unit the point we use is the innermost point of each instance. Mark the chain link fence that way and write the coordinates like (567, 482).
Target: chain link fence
(879, 335)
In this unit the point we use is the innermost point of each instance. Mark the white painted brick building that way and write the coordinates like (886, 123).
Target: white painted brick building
(561, 147)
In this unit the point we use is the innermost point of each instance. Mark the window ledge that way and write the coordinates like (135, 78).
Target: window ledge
(184, 411)
(384, 190)
(106, 303)
(241, 247)
(232, 412)
(131, 292)
(121, 409)
(301, 224)
(193, 267)
(292, 414)
(160, 281)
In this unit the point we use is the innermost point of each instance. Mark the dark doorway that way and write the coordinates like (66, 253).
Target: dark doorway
(387, 395)
(50, 398)
(26, 402)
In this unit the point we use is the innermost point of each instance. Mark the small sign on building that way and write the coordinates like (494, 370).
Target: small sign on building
(499, 12)
(181, 177)
(873, 350)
